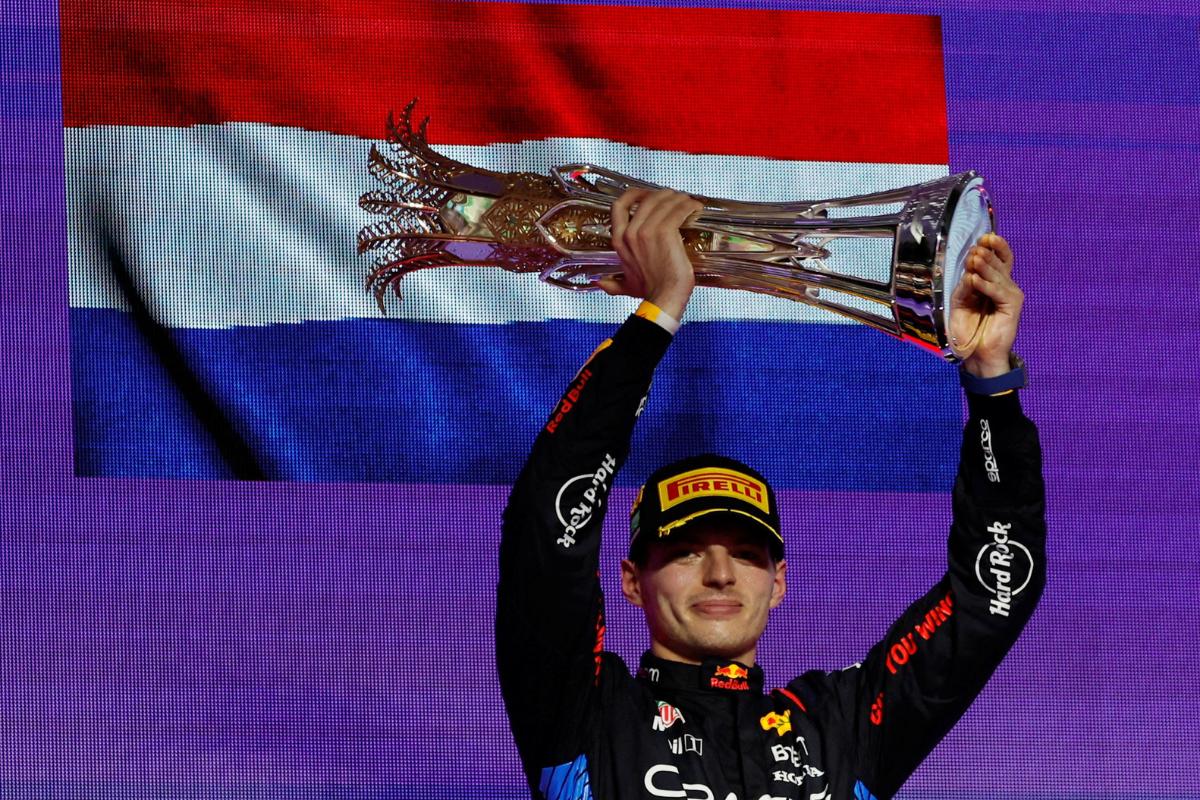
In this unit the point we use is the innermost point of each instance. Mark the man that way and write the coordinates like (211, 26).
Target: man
(706, 566)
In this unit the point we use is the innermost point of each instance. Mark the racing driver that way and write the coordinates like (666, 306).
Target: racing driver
(706, 564)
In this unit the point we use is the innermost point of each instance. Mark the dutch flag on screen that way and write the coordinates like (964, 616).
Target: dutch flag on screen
(220, 327)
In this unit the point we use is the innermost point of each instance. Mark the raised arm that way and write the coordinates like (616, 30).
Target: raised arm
(921, 677)
(550, 619)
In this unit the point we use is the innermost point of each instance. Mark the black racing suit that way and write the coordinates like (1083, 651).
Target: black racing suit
(586, 728)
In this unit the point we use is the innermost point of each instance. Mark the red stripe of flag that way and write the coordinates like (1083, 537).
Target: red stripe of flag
(784, 84)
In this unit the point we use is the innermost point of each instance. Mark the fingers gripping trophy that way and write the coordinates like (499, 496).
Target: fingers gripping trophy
(584, 228)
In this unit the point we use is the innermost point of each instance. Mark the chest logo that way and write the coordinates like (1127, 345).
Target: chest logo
(780, 723)
(733, 671)
(730, 676)
(667, 716)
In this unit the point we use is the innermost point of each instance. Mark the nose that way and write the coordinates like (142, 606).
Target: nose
(718, 567)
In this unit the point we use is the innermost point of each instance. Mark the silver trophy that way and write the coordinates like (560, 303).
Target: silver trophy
(441, 212)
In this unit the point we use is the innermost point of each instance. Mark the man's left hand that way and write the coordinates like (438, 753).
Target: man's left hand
(987, 291)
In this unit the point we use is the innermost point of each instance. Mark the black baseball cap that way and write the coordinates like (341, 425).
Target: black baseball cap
(703, 487)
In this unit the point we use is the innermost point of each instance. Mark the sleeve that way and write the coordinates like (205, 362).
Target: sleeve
(921, 677)
(549, 620)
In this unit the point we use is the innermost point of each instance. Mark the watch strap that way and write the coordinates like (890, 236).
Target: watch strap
(1016, 378)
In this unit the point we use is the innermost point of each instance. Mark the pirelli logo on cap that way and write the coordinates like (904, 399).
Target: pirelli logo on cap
(713, 482)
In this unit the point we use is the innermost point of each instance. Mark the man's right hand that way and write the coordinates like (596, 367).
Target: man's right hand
(645, 234)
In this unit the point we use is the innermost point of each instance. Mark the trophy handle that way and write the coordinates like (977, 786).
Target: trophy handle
(610, 184)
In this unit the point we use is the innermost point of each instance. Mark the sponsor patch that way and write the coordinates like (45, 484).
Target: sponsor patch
(1003, 567)
(580, 497)
(774, 721)
(712, 482)
(797, 779)
(730, 676)
(687, 744)
(667, 716)
(989, 458)
(568, 401)
(787, 777)
(787, 754)
(732, 671)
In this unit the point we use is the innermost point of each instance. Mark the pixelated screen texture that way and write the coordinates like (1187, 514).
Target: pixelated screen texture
(248, 523)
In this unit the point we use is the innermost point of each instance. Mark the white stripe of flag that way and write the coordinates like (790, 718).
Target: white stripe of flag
(250, 224)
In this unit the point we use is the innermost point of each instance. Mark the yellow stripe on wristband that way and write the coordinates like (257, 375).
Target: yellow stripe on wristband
(652, 313)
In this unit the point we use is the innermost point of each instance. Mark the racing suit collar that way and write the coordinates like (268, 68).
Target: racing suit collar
(709, 676)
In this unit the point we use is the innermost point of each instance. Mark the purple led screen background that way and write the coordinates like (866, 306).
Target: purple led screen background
(176, 638)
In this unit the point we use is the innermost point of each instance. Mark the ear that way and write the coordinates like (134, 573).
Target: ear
(779, 589)
(631, 585)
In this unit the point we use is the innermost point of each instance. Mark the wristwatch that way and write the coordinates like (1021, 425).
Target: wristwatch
(1015, 378)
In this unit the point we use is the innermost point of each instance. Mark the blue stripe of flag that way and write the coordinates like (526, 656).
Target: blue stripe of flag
(812, 406)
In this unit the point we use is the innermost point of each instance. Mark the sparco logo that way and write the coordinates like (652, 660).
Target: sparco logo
(989, 458)
(1003, 567)
(579, 497)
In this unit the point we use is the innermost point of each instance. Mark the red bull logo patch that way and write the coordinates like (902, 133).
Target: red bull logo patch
(713, 482)
(730, 676)
(780, 723)
(733, 671)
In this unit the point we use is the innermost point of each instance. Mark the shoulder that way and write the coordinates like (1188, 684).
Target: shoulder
(823, 693)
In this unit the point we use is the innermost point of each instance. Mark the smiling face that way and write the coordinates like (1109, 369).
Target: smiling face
(706, 592)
